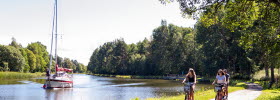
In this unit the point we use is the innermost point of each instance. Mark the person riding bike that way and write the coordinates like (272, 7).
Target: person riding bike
(191, 77)
(227, 81)
(221, 80)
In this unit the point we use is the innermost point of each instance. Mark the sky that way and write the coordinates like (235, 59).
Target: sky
(84, 25)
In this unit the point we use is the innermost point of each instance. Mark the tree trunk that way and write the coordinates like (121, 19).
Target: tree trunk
(266, 70)
(272, 79)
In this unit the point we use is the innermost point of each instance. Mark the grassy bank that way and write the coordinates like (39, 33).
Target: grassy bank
(199, 95)
(129, 76)
(273, 94)
(19, 75)
(268, 94)
(260, 75)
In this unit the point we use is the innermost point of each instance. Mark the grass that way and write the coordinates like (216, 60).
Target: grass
(199, 95)
(19, 75)
(129, 76)
(260, 75)
(259, 78)
(273, 94)
(268, 94)
(123, 76)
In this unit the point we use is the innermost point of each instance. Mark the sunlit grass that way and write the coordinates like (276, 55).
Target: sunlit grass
(260, 75)
(123, 76)
(129, 76)
(200, 95)
(19, 75)
(270, 95)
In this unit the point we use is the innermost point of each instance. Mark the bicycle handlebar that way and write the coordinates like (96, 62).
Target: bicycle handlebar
(219, 84)
(188, 83)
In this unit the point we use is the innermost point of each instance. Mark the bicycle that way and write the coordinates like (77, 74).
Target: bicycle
(188, 90)
(219, 88)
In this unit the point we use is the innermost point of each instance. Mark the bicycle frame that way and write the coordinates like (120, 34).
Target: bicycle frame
(187, 90)
(219, 89)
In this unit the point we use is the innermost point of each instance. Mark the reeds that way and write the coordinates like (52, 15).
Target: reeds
(19, 75)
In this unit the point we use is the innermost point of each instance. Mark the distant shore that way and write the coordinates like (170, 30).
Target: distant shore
(129, 76)
(177, 78)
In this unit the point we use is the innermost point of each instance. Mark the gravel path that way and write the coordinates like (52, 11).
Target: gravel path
(251, 93)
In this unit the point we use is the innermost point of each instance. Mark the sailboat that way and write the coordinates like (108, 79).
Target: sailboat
(63, 77)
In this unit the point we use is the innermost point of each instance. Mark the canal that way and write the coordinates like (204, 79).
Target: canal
(88, 87)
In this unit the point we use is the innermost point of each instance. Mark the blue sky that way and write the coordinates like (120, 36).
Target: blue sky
(85, 24)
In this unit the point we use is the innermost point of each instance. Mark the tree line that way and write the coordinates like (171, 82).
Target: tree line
(242, 36)
(33, 58)
(170, 51)
(257, 22)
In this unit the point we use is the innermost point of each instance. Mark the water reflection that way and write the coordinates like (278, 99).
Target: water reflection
(87, 87)
(59, 94)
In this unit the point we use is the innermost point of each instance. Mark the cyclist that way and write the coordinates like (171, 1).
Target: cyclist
(227, 81)
(191, 77)
(220, 79)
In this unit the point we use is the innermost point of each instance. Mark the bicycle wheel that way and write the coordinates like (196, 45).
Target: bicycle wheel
(186, 96)
(216, 97)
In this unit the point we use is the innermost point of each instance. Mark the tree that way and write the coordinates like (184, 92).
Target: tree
(76, 65)
(31, 60)
(12, 57)
(15, 44)
(120, 56)
(257, 21)
(93, 62)
(196, 7)
(25, 56)
(67, 63)
(170, 48)
(41, 54)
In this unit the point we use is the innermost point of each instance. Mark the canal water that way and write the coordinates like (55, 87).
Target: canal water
(88, 87)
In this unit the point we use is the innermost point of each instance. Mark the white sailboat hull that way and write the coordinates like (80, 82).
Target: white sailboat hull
(59, 82)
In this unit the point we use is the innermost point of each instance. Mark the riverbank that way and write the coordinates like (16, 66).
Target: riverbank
(129, 76)
(199, 79)
(19, 75)
(199, 95)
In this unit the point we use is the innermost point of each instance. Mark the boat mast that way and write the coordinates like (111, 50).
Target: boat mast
(56, 34)
(53, 30)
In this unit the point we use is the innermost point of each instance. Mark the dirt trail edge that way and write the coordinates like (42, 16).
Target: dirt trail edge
(252, 92)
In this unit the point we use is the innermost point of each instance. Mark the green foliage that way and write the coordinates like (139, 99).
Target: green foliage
(15, 44)
(13, 57)
(33, 58)
(6, 66)
(24, 54)
(260, 75)
(19, 75)
(169, 50)
(273, 94)
(41, 55)
(67, 63)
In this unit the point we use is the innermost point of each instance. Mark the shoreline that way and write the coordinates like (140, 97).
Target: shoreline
(177, 78)
(129, 76)
(19, 75)
(199, 95)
